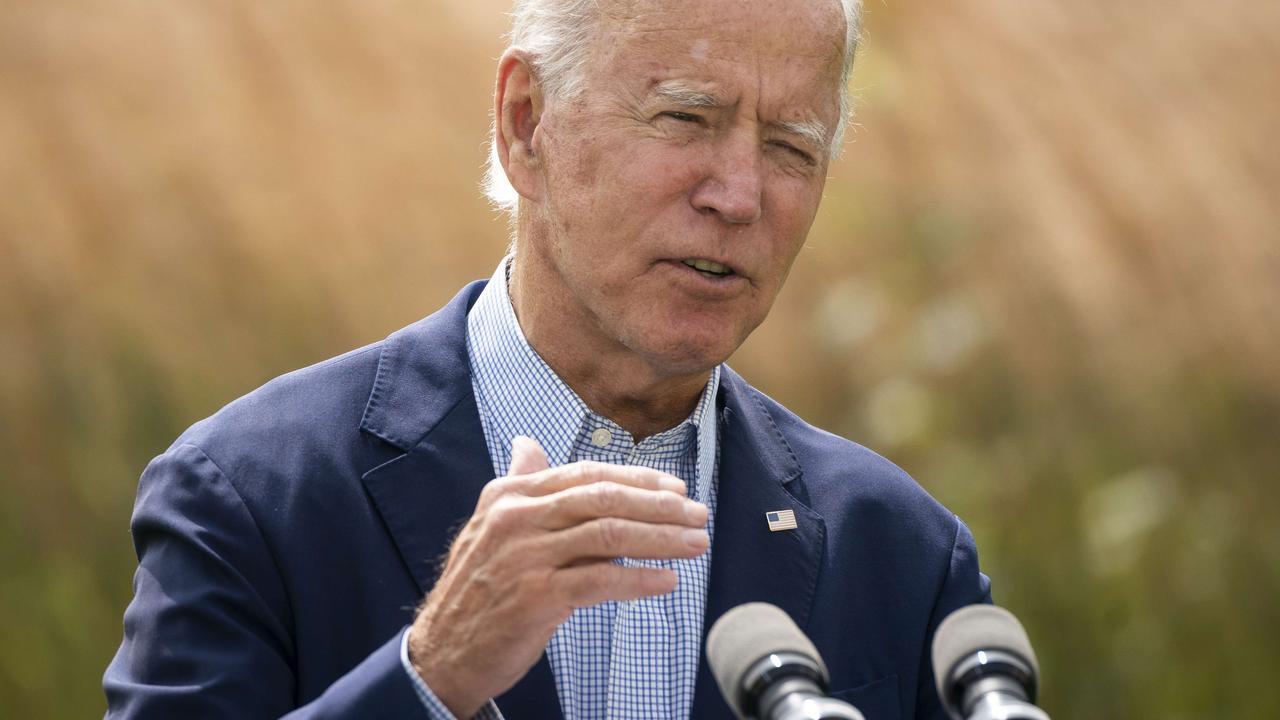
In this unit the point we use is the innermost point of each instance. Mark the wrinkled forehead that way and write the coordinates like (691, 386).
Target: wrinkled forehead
(778, 59)
(812, 31)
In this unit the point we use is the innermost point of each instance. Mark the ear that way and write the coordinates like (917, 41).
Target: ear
(517, 109)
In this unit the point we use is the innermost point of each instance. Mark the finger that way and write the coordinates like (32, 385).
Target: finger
(527, 456)
(586, 473)
(607, 538)
(585, 585)
(578, 504)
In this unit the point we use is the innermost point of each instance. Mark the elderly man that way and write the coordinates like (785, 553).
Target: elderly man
(667, 158)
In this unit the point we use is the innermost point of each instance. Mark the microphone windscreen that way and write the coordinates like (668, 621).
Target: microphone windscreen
(974, 628)
(746, 634)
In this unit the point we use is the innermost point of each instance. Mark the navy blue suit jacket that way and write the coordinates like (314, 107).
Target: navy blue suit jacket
(284, 543)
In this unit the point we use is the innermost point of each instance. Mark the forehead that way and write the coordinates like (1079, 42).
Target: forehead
(776, 45)
(810, 20)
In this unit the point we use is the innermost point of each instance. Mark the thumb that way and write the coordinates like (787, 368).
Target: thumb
(527, 456)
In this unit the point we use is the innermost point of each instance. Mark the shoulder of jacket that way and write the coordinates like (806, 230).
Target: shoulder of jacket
(839, 469)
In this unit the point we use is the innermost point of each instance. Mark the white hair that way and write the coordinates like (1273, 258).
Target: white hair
(559, 36)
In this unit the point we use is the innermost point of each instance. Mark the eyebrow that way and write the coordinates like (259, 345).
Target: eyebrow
(686, 96)
(811, 131)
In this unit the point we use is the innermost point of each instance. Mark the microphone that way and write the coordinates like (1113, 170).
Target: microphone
(984, 666)
(768, 670)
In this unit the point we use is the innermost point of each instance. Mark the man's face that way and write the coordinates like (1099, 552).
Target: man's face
(681, 183)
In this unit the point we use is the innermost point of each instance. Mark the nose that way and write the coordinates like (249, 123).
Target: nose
(734, 186)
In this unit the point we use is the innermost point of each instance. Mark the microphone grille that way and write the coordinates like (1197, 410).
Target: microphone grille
(744, 635)
(974, 628)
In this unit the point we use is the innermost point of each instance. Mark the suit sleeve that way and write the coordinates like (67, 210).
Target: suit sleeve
(208, 633)
(964, 585)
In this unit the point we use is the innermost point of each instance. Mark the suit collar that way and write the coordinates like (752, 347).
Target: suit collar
(742, 411)
(422, 404)
(759, 473)
(422, 374)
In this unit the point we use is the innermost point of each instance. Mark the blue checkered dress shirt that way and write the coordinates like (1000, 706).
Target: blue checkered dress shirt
(617, 660)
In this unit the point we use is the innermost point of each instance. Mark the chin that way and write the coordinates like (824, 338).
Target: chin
(684, 340)
(687, 354)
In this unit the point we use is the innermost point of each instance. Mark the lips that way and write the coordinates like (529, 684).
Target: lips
(708, 267)
(706, 280)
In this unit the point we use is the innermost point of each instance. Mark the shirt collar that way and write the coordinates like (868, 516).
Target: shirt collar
(519, 394)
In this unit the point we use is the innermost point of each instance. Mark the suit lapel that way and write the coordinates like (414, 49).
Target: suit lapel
(426, 494)
(422, 403)
(758, 474)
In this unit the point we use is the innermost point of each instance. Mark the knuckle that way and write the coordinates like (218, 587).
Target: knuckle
(594, 472)
(505, 516)
(605, 498)
(605, 574)
(596, 581)
(610, 534)
(647, 478)
(580, 473)
(494, 489)
(644, 478)
(668, 503)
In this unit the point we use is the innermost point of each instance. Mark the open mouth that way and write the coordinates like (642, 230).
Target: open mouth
(708, 268)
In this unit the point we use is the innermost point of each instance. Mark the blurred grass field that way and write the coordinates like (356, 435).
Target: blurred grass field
(1045, 281)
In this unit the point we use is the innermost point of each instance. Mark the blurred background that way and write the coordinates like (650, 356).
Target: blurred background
(1045, 281)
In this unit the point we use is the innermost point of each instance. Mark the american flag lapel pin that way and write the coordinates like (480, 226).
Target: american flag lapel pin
(781, 520)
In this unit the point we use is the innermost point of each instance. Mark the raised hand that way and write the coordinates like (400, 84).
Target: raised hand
(542, 542)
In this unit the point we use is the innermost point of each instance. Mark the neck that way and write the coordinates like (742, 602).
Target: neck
(611, 379)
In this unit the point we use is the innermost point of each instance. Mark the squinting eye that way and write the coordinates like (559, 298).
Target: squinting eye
(797, 152)
(683, 117)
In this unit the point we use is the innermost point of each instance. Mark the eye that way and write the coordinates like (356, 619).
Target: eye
(794, 151)
(683, 116)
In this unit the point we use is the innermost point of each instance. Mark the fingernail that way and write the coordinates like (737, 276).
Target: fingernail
(695, 538)
(695, 512)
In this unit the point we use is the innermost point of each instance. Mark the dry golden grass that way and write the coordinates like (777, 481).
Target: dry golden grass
(1044, 280)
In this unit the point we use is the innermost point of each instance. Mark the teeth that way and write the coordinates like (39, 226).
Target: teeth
(707, 266)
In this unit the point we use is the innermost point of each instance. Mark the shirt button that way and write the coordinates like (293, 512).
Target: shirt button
(601, 437)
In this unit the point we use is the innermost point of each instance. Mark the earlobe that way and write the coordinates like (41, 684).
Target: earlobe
(518, 103)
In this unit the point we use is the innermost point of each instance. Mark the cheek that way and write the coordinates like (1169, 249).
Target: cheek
(626, 195)
(796, 209)
(583, 187)
(586, 161)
